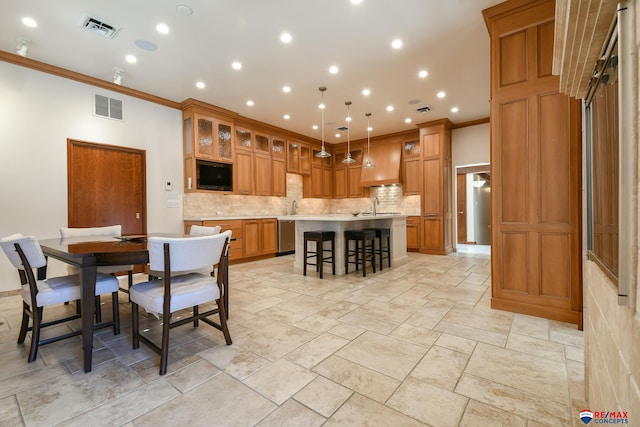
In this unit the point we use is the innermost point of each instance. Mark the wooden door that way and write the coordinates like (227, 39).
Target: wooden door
(106, 186)
(279, 177)
(461, 205)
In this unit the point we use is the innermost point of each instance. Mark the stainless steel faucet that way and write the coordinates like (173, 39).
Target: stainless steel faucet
(375, 200)
(294, 205)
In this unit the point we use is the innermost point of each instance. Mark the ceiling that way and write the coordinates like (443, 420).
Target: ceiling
(447, 38)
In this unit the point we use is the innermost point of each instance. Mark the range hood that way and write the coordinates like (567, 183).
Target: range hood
(385, 155)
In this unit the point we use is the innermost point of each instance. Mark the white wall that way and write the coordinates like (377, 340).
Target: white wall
(38, 112)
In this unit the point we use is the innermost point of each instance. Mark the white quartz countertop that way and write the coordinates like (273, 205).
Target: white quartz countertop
(305, 217)
(340, 217)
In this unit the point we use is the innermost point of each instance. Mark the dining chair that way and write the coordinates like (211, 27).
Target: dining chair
(25, 254)
(175, 291)
(108, 231)
(203, 230)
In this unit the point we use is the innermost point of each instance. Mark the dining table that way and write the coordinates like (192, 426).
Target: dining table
(88, 253)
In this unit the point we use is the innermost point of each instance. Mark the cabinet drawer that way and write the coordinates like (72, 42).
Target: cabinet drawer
(235, 225)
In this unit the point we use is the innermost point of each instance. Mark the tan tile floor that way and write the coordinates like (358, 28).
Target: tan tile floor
(414, 345)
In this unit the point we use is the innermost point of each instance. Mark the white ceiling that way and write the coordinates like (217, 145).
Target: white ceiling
(448, 38)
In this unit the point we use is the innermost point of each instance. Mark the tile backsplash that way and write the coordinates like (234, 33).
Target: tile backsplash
(204, 205)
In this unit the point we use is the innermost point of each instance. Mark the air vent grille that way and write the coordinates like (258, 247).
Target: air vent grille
(342, 128)
(99, 27)
(111, 108)
(424, 109)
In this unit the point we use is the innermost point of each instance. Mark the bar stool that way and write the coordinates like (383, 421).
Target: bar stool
(383, 253)
(364, 250)
(319, 237)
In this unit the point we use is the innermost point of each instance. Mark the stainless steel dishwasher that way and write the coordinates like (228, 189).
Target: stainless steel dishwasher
(286, 237)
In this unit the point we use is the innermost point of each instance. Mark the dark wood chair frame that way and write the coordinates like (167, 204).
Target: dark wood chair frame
(36, 313)
(319, 254)
(167, 325)
(364, 250)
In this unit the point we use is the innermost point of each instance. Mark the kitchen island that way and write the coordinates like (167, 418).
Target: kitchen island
(339, 223)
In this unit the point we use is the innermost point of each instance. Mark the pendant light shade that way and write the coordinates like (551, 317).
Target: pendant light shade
(348, 159)
(323, 153)
(368, 164)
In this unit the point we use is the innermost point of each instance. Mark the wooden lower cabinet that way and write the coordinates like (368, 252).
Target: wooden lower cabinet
(237, 233)
(260, 237)
(413, 233)
(253, 237)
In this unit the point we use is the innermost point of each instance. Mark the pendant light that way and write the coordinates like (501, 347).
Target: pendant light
(323, 153)
(348, 159)
(368, 164)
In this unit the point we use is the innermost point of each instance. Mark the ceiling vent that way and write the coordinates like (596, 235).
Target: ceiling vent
(111, 108)
(424, 109)
(342, 129)
(99, 27)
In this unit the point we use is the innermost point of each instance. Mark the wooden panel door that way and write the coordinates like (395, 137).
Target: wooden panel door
(262, 175)
(269, 236)
(251, 244)
(279, 177)
(243, 173)
(106, 186)
(340, 189)
(536, 169)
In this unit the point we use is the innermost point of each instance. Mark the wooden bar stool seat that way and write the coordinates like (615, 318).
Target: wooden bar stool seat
(319, 237)
(364, 250)
(383, 252)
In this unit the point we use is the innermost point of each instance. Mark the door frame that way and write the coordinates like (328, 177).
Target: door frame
(478, 168)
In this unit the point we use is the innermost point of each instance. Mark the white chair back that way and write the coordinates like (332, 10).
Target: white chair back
(29, 246)
(201, 230)
(110, 231)
(187, 253)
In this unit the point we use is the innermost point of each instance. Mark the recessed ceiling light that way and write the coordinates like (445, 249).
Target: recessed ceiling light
(441, 94)
(396, 44)
(29, 22)
(236, 65)
(285, 38)
(287, 117)
(333, 69)
(184, 10)
(454, 110)
(200, 85)
(338, 135)
(162, 28)
(314, 127)
(356, 1)
(131, 59)
(407, 120)
(423, 73)
(250, 103)
(366, 92)
(390, 108)
(286, 89)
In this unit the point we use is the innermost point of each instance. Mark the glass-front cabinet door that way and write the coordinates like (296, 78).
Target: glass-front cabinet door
(243, 139)
(204, 136)
(224, 141)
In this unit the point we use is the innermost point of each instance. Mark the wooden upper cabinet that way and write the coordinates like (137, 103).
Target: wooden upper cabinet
(262, 144)
(244, 139)
(293, 156)
(535, 168)
(243, 175)
(278, 167)
(213, 138)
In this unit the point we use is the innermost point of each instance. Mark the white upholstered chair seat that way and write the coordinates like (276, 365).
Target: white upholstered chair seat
(187, 290)
(56, 290)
